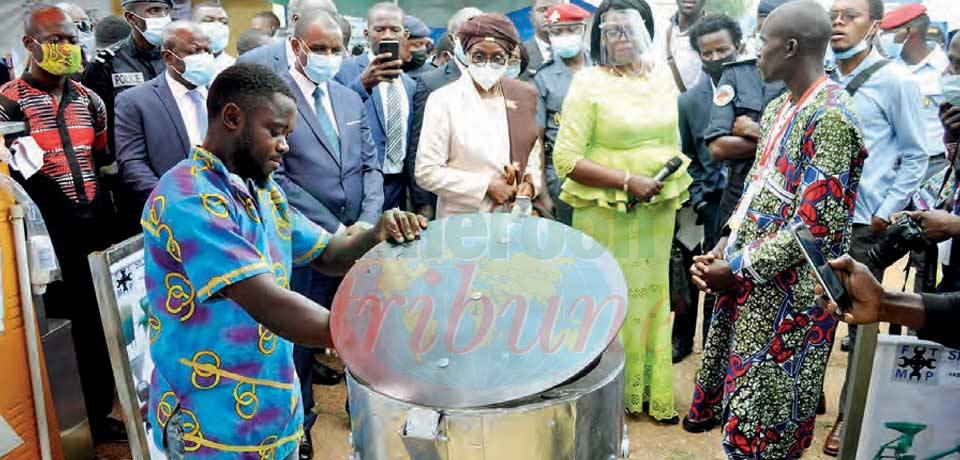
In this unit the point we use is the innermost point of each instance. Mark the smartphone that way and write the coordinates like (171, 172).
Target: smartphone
(825, 275)
(392, 47)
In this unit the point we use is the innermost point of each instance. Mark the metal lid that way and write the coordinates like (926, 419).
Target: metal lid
(482, 310)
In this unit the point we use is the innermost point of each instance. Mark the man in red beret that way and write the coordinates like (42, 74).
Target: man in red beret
(565, 25)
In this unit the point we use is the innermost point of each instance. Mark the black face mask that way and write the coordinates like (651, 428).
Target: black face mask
(715, 68)
(417, 59)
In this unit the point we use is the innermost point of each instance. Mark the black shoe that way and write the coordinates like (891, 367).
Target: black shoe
(306, 448)
(698, 427)
(846, 344)
(681, 351)
(324, 375)
(670, 421)
(109, 430)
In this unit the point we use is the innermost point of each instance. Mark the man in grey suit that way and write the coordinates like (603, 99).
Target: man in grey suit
(538, 47)
(157, 122)
(278, 56)
(422, 201)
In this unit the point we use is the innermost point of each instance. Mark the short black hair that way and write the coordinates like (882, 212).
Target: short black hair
(246, 85)
(110, 30)
(207, 4)
(875, 9)
(596, 44)
(444, 44)
(251, 39)
(269, 15)
(715, 23)
(387, 6)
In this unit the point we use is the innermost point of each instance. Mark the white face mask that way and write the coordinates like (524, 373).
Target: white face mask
(218, 33)
(566, 46)
(154, 28)
(486, 76)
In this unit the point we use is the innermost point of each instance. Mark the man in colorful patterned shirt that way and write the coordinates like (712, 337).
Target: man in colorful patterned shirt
(809, 161)
(220, 240)
(67, 140)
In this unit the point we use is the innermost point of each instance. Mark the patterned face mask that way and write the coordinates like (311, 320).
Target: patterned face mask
(60, 58)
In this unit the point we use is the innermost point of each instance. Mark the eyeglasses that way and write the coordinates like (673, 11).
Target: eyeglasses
(84, 26)
(496, 61)
(848, 14)
(615, 31)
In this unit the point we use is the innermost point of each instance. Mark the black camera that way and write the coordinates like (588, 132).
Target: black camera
(903, 236)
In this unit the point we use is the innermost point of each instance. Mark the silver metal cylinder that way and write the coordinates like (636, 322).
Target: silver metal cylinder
(581, 420)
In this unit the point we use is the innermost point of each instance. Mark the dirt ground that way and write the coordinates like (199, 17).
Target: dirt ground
(648, 440)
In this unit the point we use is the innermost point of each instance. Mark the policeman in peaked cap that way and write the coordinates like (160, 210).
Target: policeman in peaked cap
(128, 63)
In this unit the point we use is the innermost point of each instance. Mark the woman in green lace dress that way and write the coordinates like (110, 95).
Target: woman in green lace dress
(619, 128)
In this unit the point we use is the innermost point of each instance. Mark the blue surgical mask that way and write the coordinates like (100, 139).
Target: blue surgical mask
(890, 47)
(854, 50)
(566, 46)
(154, 28)
(320, 67)
(512, 71)
(199, 69)
(89, 43)
(218, 33)
(459, 53)
(950, 86)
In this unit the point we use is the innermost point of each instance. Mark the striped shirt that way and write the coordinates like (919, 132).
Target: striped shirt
(71, 131)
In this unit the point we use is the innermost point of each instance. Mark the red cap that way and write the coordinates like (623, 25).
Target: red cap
(902, 15)
(566, 13)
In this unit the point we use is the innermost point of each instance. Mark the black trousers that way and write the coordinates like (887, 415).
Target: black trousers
(321, 289)
(75, 236)
(685, 321)
(861, 241)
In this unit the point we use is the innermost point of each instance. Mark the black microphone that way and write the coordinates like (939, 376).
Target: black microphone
(671, 167)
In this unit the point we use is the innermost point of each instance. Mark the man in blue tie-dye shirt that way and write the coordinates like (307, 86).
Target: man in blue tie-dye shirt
(220, 240)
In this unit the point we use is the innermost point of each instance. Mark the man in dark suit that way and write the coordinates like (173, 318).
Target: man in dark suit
(538, 46)
(279, 55)
(158, 122)
(422, 201)
(331, 173)
(718, 39)
(388, 98)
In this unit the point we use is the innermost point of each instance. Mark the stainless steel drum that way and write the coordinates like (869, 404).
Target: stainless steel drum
(582, 420)
(477, 340)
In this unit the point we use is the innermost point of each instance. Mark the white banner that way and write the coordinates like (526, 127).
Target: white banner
(913, 407)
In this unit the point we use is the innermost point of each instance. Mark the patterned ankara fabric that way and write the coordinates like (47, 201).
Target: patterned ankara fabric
(231, 378)
(768, 345)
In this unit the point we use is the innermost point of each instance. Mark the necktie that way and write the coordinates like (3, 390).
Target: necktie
(394, 124)
(326, 125)
(200, 108)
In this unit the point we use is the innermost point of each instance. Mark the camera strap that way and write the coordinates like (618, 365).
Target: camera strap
(864, 76)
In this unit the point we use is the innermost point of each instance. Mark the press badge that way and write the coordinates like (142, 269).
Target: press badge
(127, 79)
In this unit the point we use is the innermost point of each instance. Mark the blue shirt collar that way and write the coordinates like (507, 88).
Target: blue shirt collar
(871, 59)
